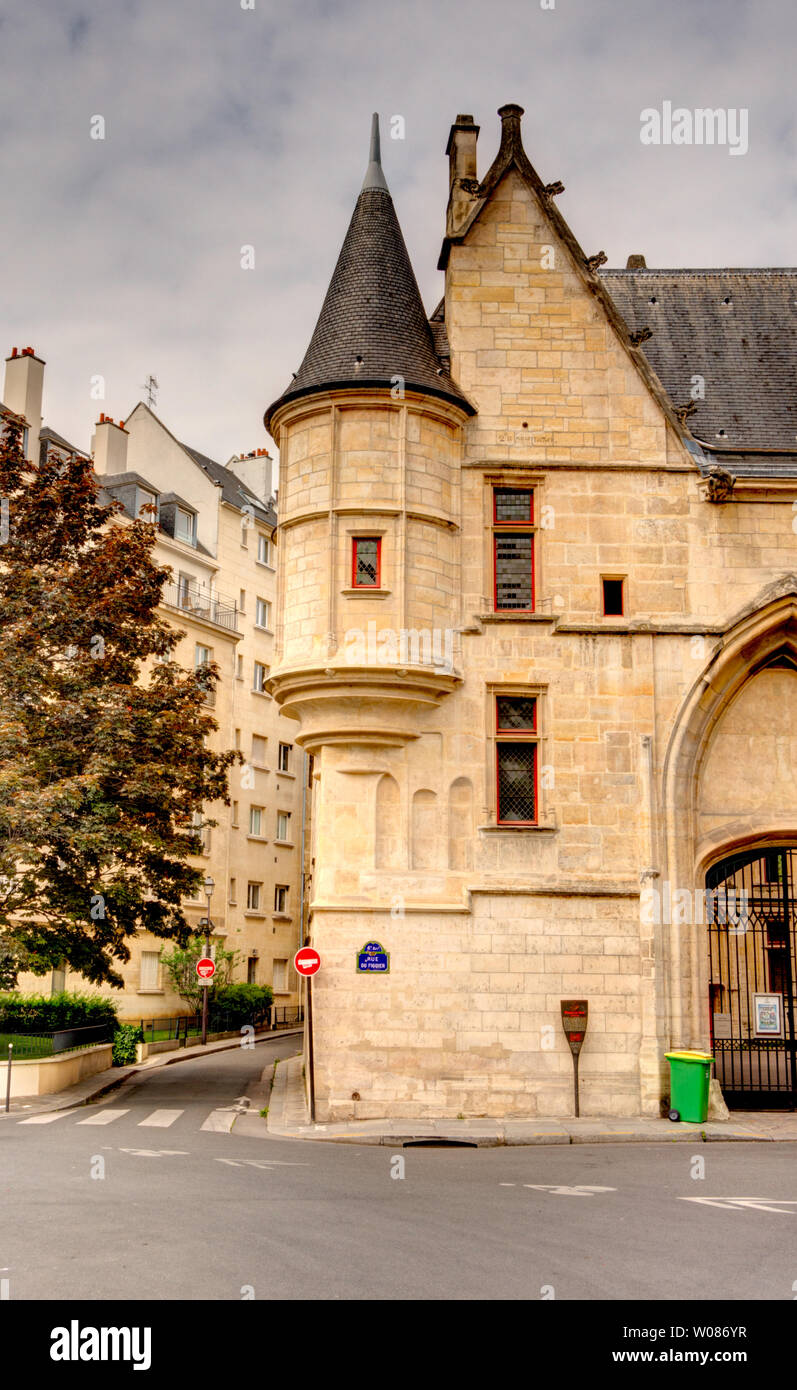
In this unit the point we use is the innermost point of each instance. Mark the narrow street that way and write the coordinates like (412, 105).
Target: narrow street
(189, 1208)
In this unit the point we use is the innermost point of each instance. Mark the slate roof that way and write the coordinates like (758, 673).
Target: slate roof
(48, 436)
(738, 330)
(233, 490)
(372, 326)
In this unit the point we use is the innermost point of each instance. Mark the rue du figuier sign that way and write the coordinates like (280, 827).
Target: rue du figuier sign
(373, 957)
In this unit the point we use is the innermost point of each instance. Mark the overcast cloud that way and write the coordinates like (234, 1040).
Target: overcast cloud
(228, 127)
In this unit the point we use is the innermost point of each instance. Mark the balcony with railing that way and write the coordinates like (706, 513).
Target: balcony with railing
(199, 603)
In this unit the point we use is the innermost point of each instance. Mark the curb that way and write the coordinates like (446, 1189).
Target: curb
(288, 1092)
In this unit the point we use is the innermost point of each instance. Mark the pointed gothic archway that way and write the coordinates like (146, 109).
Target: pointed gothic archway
(728, 791)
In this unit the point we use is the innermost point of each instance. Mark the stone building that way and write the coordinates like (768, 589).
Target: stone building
(216, 532)
(538, 626)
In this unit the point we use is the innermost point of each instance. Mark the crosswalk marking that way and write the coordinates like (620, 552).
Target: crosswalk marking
(220, 1121)
(161, 1119)
(104, 1117)
(46, 1119)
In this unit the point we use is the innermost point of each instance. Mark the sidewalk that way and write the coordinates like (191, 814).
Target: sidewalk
(288, 1119)
(95, 1086)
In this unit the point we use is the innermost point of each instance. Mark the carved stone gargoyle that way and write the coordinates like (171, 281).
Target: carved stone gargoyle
(719, 484)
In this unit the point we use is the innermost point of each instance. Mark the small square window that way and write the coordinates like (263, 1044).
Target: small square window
(366, 562)
(515, 712)
(513, 504)
(613, 597)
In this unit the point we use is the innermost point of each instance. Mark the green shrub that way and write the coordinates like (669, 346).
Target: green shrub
(124, 1044)
(42, 1013)
(240, 1003)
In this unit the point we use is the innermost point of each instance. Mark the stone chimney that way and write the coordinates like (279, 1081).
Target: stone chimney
(109, 447)
(636, 261)
(255, 470)
(462, 176)
(22, 394)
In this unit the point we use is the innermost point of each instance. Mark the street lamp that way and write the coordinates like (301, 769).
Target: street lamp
(209, 886)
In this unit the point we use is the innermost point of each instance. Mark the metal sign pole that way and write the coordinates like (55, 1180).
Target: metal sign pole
(8, 1077)
(310, 1047)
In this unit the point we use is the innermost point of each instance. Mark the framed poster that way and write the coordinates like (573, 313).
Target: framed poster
(768, 1019)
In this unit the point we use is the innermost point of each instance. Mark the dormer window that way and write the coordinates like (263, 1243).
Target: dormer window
(145, 498)
(184, 525)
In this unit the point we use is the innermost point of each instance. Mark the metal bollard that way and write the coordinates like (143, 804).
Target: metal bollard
(8, 1078)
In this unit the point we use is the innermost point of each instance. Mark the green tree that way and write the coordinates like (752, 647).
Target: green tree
(103, 736)
(180, 965)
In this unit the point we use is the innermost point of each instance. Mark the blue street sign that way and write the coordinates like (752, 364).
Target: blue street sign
(373, 956)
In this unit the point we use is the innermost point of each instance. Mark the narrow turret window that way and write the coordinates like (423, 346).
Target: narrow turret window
(513, 549)
(366, 562)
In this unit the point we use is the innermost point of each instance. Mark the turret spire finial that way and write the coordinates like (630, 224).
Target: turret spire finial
(374, 177)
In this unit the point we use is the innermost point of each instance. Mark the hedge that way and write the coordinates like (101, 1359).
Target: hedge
(240, 1003)
(40, 1013)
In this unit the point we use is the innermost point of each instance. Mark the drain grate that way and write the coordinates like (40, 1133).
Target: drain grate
(439, 1144)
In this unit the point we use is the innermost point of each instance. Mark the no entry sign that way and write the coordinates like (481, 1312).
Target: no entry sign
(206, 968)
(306, 961)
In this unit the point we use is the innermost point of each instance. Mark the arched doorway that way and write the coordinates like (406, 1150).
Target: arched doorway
(751, 914)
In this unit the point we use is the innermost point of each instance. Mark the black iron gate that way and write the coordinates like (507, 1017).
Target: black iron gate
(750, 912)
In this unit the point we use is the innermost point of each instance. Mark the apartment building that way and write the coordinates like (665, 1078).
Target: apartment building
(217, 534)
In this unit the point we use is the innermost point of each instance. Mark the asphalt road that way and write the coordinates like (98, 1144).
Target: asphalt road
(186, 1212)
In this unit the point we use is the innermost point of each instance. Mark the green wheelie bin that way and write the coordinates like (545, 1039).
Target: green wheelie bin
(690, 1074)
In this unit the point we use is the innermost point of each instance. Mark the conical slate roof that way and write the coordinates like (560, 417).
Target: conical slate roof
(372, 326)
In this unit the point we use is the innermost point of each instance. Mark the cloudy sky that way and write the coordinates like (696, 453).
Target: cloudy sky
(228, 127)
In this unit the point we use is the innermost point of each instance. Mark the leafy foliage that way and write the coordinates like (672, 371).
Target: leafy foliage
(124, 1044)
(180, 964)
(103, 756)
(241, 1003)
(42, 1013)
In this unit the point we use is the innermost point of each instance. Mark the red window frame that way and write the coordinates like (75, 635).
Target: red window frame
(528, 736)
(525, 527)
(531, 732)
(354, 544)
